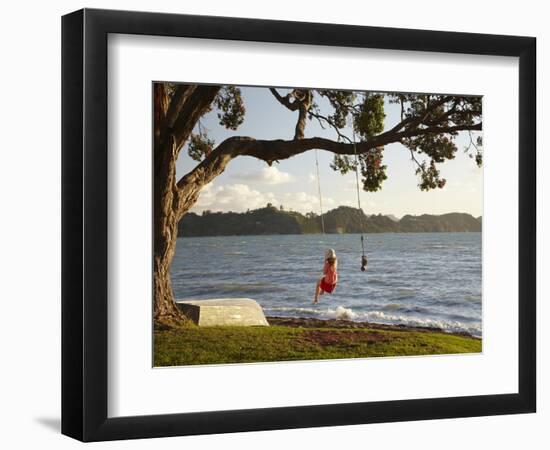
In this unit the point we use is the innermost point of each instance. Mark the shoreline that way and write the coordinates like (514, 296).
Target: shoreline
(302, 339)
(312, 322)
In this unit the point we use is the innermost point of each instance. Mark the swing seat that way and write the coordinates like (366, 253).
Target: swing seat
(364, 263)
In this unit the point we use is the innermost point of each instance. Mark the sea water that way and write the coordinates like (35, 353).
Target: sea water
(417, 279)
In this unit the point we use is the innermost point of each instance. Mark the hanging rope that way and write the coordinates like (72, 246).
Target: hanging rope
(364, 261)
(319, 191)
(363, 254)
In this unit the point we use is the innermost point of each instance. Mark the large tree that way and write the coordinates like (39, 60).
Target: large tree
(427, 128)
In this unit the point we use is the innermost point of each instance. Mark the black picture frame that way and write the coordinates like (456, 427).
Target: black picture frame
(84, 224)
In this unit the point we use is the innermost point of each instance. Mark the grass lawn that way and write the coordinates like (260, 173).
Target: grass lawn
(218, 345)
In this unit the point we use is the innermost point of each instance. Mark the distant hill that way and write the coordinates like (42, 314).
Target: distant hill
(344, 219)
(442, 223)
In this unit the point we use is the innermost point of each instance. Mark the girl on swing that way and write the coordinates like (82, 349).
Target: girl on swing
(328, 281)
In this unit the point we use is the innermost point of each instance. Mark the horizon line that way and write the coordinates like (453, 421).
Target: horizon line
(336, 207)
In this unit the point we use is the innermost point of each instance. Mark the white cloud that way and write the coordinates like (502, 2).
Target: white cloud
(232, 197)
(240, 197)
(269, 175)
(304, 202)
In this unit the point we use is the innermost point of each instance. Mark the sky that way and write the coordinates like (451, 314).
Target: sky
(249, 183)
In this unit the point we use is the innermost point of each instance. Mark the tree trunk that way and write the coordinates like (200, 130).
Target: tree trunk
(171, 202)
(165, 235)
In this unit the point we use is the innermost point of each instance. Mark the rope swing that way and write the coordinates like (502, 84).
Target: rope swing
(319, 191)
(364, 261)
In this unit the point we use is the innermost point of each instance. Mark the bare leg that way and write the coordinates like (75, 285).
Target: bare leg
(318, 291)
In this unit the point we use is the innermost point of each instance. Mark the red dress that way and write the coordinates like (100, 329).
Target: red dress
(328, 282)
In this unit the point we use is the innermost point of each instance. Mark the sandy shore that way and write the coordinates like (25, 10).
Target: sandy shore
(310, 322)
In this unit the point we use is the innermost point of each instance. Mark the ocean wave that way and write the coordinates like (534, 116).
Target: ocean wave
(297, 310)
(341, 312)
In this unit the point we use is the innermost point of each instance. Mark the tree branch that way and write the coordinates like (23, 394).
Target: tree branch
(320, 118)
(413, 158)
(196, 104)
(285, 101)
(272, 150)
(416, 120)
(301, 103)
(472, 142)
(180, 96)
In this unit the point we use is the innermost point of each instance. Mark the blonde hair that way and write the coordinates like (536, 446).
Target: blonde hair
(331, 261)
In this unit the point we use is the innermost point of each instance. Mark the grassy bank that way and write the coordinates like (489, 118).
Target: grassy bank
(284, 341)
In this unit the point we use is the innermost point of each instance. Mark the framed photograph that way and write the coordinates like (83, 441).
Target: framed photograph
(273, 224)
